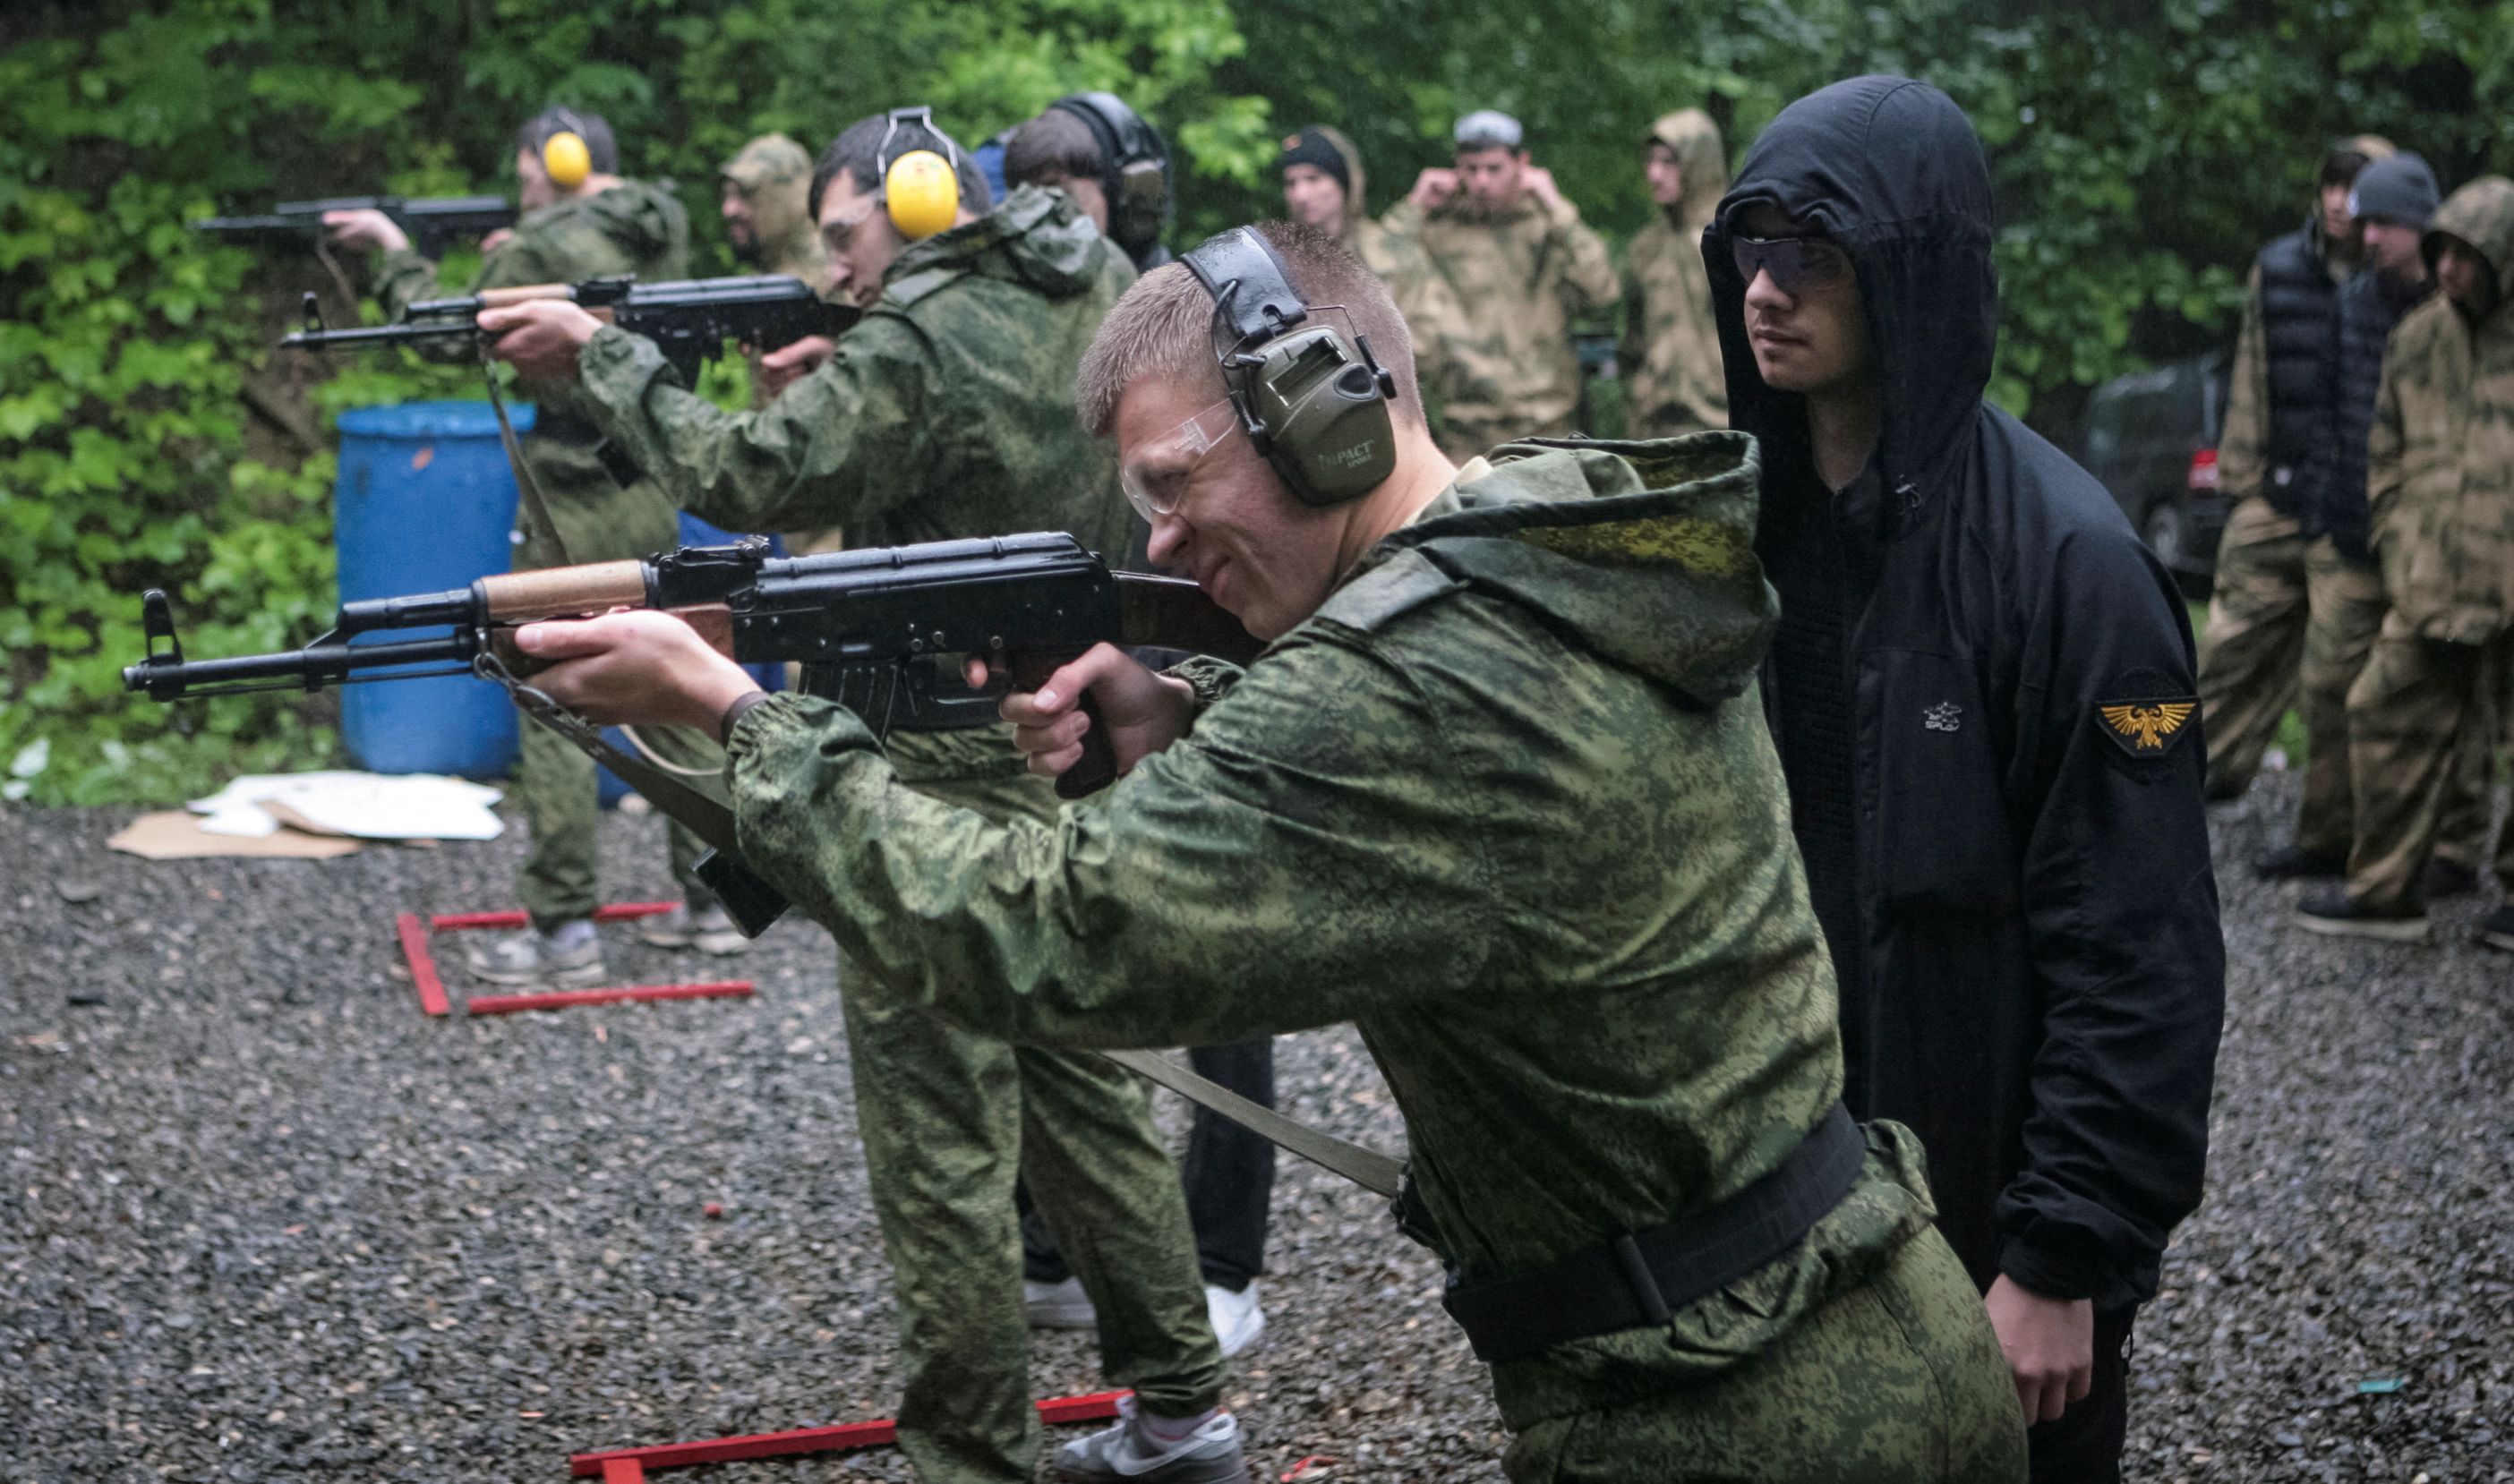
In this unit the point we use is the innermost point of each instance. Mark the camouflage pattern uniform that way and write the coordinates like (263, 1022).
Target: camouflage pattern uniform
(949, 412)
(633, 227)
(1506, 803)
(2254, 641)
(1492, 321)
(2440, 476)
(775, 175)
(1679, 384)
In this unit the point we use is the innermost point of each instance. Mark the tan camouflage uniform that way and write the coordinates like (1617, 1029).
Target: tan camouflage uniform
(2255, 642)
(1495, 314)
(2440, 476)
(1672, 353)
(775, 175)
(633, 227)
(1506, 803)
(949, 412)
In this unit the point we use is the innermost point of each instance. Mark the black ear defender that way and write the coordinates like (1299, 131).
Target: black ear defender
(1313, 400)
(1135, 176)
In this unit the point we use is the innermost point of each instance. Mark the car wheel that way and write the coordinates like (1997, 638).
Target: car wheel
(2167, 533)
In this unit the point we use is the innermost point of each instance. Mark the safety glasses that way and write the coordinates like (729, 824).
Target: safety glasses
(1795, 263)
(1156, 476)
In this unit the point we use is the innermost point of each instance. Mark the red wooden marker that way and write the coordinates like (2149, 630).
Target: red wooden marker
(618, 911)
(560, 999)
(628, 1465)
(423, 965)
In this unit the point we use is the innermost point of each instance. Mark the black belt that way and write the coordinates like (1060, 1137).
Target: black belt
(1649, 1275)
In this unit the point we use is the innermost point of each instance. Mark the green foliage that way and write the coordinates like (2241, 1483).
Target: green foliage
(2141, 150)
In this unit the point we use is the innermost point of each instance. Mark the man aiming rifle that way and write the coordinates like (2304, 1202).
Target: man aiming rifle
(582, 221)
(947, 412)
(1501, 794)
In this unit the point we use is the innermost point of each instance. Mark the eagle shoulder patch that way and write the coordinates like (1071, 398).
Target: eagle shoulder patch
(2149, 726)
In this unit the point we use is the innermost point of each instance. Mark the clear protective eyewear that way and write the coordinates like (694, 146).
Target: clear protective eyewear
(1156, 477)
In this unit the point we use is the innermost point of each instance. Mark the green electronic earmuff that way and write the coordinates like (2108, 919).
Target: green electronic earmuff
(1312, 401)
(920, 189)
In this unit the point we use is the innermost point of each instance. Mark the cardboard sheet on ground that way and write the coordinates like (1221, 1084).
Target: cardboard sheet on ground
(175, 835)
(369, 806)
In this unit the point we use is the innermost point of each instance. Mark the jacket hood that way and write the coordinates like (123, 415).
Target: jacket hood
(1643, 552)
(644, 220)
(1699, 154)
(2481, 213)
(1355, 188)
(1036, 239)
(1889, 169)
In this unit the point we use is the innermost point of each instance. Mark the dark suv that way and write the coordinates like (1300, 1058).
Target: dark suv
(2152, 439)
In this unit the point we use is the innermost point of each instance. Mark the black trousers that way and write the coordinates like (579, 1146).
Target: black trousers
(2084, 1444)
(1229, 1174)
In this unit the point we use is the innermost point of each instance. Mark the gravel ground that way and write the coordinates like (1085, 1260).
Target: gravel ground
(262, 1219)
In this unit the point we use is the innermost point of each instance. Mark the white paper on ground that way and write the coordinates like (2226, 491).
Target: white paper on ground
(372, 806)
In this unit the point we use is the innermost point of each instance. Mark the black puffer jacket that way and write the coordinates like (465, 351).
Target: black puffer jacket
(2016, 886)
(2371, 303)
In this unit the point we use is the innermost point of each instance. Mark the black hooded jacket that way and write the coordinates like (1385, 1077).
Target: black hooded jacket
(1984, 699)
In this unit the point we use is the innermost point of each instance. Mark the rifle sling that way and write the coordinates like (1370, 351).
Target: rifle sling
(1366, 1168)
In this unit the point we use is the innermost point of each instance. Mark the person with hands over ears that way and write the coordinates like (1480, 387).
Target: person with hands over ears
(1507, 266)
(1500, 794)
(947, 412)
(1982, 692)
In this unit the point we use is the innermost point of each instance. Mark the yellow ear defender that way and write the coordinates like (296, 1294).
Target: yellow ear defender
(920, 188)
(565, 155)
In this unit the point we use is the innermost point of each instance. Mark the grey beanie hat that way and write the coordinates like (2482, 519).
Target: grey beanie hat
(1489, 129)
(2397, 189)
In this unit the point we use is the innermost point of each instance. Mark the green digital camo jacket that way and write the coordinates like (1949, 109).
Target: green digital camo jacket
(1672, 353)
(633, 227)
(2440, 458)
(1507, 803)
(946, 412)
(1492, 326)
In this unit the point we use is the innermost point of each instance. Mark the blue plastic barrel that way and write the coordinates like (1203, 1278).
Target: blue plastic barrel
(426, 502)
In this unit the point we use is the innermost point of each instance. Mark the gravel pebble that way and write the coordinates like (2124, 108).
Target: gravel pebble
(262, 1219)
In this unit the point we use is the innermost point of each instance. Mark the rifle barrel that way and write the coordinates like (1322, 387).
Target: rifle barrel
(316, 664)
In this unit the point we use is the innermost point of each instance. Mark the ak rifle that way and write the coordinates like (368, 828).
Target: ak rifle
(879, 631)
(429, 221)
(688, 319)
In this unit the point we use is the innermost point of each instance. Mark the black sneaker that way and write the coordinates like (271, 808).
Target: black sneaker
(2498, 931)
(2291, 863)
(2342, 916)
(2451, 879)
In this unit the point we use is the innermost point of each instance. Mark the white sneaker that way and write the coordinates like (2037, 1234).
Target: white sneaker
(567, 957)
(709, 931)
(1130, 1451)
(1237, 1321)
(1058, 1306)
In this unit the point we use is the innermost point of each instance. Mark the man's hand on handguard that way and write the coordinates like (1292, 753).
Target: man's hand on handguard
(636, 665)
(365, 229)
(541, 335)
(1145, 712)
(786, 365)
(2049, 1344)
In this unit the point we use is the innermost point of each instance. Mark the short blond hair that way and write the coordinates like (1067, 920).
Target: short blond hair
(1164, 327)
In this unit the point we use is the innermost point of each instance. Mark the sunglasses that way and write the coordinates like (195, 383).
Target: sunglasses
(1795, 263)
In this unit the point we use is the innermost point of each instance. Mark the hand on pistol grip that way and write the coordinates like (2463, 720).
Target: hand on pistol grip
(1098, 767)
